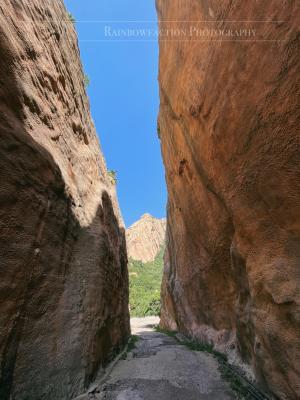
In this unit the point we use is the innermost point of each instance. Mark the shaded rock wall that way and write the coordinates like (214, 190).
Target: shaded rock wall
(229, 124)
(63, 262)
(145, 238)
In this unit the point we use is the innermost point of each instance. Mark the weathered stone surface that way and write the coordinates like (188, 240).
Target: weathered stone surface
(145, 238)
(159, 367)
(63, 262)
(229, 125)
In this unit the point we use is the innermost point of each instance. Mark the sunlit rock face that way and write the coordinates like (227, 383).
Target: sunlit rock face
(145, 238)
(229, 126)
(63, 262)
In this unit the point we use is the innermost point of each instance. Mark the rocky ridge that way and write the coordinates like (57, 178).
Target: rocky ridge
(145, 238)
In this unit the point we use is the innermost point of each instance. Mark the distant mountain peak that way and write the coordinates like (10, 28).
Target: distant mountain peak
(146, 215)
(145, 238)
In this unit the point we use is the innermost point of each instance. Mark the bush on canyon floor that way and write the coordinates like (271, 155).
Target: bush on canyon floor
(144, 286)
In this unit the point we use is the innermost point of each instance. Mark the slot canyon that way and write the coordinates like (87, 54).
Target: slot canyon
(228, 126)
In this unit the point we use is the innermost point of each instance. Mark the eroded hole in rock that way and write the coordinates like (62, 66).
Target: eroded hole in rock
(182, 166)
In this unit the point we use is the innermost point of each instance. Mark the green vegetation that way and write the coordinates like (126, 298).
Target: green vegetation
(235, 382)
(172, 334)
(132, 342)
(86, 80)
(158, 132)
(113, 176)
(71, 18)
(130, 345)
(144, 286)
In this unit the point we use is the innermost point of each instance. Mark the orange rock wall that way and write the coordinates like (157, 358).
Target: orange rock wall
(229, 125)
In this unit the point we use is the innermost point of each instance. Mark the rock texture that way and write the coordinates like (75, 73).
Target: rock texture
(229, 126)
(63, 262)
(145, 238)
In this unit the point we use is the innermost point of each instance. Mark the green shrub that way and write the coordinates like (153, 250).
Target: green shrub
(71, 18)
(86, 80)
(113, 176)
(132, 342)
(144, 286)
(158, 132)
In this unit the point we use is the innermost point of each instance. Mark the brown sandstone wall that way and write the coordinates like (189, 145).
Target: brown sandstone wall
(63, 262)
(229, 125)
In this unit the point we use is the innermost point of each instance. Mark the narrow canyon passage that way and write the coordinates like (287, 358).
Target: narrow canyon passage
(228, 130)
(158, 367)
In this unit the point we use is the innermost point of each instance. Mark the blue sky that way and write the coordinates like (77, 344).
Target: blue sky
(124, 99)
